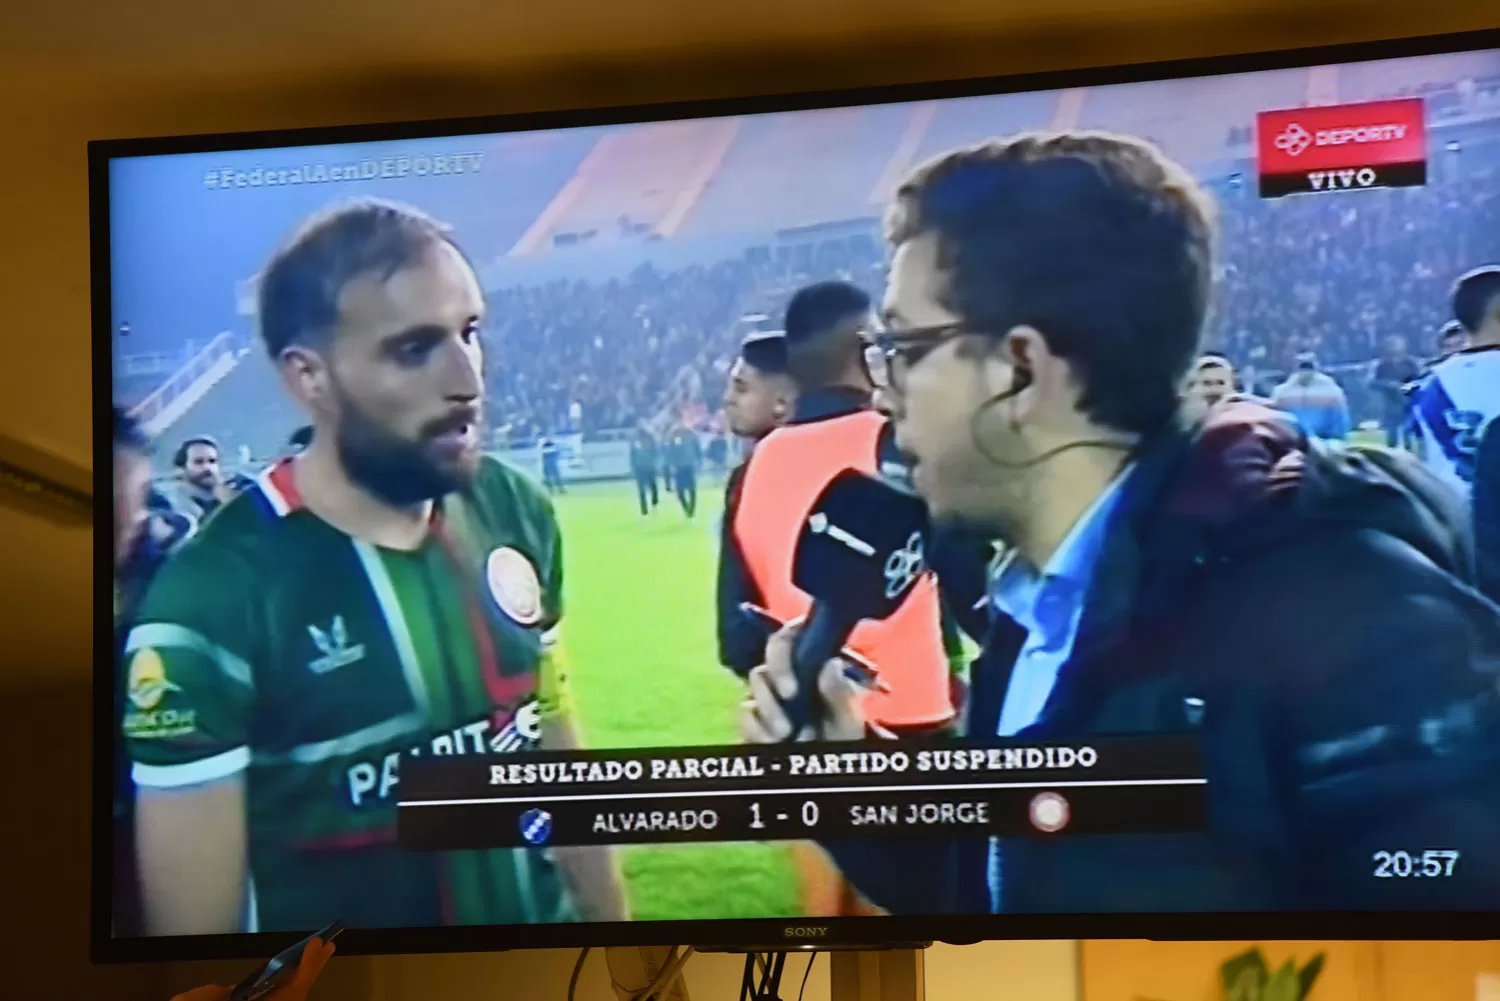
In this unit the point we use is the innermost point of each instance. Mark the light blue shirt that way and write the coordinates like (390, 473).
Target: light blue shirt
(1049, 606)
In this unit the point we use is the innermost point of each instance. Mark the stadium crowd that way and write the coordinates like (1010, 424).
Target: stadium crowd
(596, 355)
(1334, 277)
(1338, 276)
(578, 356)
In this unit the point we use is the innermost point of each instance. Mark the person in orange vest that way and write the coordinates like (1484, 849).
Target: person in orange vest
(833, 427)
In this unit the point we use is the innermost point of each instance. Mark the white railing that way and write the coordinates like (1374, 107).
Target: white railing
(187, 385)
(145, 364)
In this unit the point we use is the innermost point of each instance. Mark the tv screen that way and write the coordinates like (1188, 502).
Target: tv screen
(1059, 506)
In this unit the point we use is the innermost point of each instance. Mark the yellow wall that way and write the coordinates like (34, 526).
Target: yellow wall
(1355, 971)
(990, 971)
(1034, 971)
(74, 70)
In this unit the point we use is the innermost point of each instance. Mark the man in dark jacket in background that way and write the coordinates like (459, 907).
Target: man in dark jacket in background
(645, 457)
(1306, 610)
(1391, 375)
(551, 453)
(684, 456)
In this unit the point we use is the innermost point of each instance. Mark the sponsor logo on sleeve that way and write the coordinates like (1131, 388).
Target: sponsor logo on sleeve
(147, 688)
(147, 682)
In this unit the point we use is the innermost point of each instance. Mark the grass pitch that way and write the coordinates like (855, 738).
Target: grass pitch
(639, 631)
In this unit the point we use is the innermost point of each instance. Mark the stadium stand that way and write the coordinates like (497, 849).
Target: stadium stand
(1190, 119)
(528, 171)
(628, 184)
(247, 407)
(184, 388)
(1336, 276)
(789, 170)
(1435, 77)
(973, 119)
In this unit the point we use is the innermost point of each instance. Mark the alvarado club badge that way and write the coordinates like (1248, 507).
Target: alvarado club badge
(514, 585)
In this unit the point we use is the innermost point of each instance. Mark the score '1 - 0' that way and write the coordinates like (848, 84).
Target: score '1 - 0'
(809, 816)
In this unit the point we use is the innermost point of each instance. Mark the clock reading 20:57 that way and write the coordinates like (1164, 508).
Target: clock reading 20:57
(1402, 865)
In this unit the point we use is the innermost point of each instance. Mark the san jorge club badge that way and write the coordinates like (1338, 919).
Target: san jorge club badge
(513, 584)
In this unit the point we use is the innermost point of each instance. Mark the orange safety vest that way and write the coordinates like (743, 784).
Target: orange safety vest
(784, 476)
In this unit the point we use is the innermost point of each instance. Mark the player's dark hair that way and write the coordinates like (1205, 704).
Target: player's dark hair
(765, 353)
(180, 457)
(302, 437)
(823, 340)
(128, 433)
(1476, 297)
(299, 289)
(1099, 242)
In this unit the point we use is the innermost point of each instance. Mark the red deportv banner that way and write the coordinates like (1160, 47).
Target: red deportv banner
(1382, 144)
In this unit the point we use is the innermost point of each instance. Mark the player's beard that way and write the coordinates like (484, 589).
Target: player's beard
(399, 471)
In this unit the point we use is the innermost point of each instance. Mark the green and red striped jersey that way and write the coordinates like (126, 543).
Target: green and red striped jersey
(277, 646)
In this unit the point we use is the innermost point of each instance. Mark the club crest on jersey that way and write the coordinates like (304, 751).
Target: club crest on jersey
(513, 584)
(334, 647)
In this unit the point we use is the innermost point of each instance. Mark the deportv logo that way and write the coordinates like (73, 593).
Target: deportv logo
(1345, 147)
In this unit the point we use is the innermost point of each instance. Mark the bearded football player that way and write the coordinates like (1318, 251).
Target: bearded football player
(389, 592)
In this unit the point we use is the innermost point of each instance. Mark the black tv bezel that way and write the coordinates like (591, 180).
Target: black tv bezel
(736, 934)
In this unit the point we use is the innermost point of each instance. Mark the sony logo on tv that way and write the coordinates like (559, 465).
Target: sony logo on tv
(805, 931)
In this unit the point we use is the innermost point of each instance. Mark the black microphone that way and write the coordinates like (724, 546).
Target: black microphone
(858, 556)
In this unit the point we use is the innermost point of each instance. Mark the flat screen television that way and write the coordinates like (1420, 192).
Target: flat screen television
(1117, 438)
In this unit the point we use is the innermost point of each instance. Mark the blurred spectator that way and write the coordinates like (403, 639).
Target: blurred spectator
(1389, 378)
(1210, 382)
(1314, 399)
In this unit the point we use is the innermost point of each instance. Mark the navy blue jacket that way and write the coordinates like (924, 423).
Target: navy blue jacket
(1320, 604)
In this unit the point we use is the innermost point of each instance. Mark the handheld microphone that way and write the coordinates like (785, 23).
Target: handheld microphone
(858, 556)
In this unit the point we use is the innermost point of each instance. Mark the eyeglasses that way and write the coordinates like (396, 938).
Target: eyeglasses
(890, 355)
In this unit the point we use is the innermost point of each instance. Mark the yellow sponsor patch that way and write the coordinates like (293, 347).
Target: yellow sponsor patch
(146, 682)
